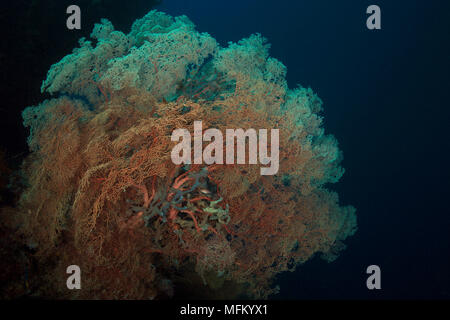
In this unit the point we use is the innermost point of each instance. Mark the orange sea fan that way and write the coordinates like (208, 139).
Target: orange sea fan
(102, 191)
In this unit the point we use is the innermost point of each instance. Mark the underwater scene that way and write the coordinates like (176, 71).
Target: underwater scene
(224, 150)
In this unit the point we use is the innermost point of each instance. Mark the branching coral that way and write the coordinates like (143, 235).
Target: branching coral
(103, 192)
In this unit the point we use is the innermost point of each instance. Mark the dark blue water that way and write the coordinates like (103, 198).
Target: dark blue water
(386, 99)
(386, 96)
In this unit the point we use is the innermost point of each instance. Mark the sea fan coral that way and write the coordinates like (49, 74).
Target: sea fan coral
(103, 193)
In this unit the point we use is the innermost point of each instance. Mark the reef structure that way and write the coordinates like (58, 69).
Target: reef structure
(102, 192)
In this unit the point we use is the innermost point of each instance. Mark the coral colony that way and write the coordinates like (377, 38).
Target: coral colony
(107, 192)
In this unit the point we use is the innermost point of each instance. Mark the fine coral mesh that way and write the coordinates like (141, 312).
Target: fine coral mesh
(103, 193)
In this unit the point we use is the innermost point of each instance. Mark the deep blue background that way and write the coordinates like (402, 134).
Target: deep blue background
(386, 99)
